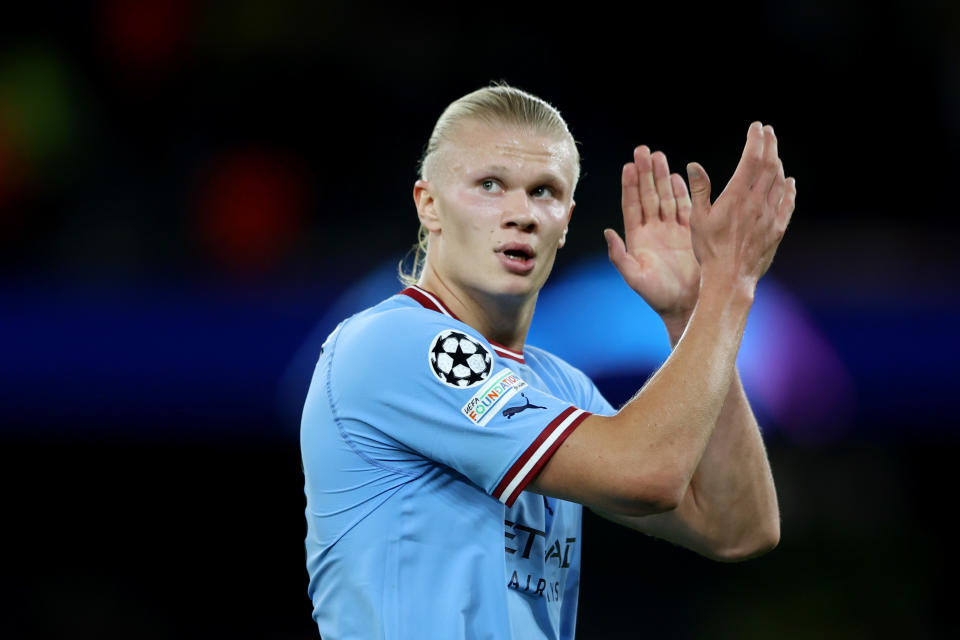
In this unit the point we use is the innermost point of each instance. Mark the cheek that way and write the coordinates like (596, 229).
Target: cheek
(556, 215)
(559, 210)
(469, 221)
(478, 214)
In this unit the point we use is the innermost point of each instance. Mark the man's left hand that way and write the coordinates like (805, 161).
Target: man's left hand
(657, 260)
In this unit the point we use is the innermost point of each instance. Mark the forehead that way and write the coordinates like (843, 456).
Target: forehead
(474, 145)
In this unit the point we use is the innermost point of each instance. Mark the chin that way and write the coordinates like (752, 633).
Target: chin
(509, 286)
(521, 286)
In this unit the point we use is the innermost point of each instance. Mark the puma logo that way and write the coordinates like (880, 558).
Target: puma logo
(509, 412)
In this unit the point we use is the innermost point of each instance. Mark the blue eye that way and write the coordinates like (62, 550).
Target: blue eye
(490, 185)
(542, 192)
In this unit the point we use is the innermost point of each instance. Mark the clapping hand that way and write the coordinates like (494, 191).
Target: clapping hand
(671, 235)
(657, 259)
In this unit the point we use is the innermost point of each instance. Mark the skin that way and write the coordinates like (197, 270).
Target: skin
(493, 186)
(728, 511)
(683, 460)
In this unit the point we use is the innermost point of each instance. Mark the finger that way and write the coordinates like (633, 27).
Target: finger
(648, 191)
(699, 190)
(750, 160)
(616, 249)
(768, 169)
(785, 211)
(630, 198)
(776, 191)
(682, 197)
(661, 177)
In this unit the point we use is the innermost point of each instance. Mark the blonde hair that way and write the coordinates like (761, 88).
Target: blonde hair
(497, 104)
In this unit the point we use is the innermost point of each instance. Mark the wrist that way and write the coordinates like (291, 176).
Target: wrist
(676, 324)
(720, 284)
(726, 303)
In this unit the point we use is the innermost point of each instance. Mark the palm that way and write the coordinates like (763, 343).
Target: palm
(661, 267)
(657, 260)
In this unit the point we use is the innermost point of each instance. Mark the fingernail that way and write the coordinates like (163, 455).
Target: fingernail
(692, 171)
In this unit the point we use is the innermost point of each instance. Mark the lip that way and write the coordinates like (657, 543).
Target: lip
(513, 265)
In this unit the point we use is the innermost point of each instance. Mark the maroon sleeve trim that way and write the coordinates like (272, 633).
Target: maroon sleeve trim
(530, 462)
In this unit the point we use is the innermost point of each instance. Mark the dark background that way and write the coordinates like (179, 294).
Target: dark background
(188, 191)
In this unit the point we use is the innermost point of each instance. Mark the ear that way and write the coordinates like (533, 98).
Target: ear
(423, 197)
(563, 238)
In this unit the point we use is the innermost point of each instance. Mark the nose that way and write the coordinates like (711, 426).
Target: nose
(518, 212)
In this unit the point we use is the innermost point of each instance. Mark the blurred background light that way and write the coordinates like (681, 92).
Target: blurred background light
(146, 35)
(38, 121)
(251, 209)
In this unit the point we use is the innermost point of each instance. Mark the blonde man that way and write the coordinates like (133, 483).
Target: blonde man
(446, 461)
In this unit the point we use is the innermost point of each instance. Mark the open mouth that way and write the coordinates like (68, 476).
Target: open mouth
(517, 257)
(518, 252)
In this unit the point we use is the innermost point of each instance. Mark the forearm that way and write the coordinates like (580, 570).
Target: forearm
(730, 510)
(641, 460)
(733, 482)
(674, 414)
(731, 500)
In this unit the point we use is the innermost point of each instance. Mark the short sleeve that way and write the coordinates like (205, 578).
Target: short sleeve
(408, 386)
(594, 401)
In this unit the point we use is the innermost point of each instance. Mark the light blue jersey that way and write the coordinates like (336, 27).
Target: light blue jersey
(418, 439)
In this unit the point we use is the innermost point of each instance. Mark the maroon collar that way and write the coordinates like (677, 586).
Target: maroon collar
(434, 303)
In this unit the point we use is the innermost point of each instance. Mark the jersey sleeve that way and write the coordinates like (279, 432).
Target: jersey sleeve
(595, 402)
(410, 387)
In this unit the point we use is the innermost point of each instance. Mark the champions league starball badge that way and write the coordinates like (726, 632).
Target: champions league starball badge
(459, 360)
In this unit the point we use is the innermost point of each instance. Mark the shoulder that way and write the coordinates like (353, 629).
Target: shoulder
(568, 381)
(400, 343)
(555, 366)
(398, 327)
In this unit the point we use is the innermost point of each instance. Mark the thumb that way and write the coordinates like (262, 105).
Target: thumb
(699, 188)
(616, 249)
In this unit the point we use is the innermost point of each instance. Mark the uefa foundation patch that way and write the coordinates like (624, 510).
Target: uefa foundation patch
(501, 387)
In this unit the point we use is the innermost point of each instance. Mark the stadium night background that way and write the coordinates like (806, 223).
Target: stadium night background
(192, 195)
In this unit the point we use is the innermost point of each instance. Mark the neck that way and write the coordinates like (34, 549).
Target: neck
(503, 319)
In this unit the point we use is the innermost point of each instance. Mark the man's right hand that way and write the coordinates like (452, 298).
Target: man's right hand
(736, 237)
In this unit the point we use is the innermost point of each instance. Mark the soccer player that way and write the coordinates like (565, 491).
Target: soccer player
(446, 461)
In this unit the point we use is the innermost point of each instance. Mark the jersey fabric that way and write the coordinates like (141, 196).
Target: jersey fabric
(418, 437)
